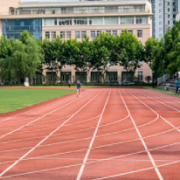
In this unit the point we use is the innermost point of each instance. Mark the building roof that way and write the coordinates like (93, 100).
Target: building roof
(60, 3)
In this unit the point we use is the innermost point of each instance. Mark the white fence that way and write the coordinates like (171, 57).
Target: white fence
(163, 79)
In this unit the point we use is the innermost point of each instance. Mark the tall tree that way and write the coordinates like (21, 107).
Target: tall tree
(148, 50)
(25, 57)
(130, 51)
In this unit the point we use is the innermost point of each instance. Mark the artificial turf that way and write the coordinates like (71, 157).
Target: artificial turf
(13, 99)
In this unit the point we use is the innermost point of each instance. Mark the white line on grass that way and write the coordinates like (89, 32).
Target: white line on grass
(21, 158)
(92, 141)
(144, 144)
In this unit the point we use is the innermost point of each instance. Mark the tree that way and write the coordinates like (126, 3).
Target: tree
(130, 51)
(100, 58)
(148, 50)
(24, 58)
(158, 56)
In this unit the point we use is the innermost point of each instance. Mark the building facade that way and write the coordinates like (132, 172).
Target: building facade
(165, 12)
(74, 20)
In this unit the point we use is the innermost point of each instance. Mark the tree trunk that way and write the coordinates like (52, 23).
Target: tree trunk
(26, 82)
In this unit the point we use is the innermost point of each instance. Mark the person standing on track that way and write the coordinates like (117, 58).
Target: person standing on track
(78, 84)
(176, 85)
(69, 83)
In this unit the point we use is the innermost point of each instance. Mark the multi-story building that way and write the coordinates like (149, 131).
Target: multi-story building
(164, 16)
(74, 20)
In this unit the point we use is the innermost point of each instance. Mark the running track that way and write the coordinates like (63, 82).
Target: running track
(113, 134)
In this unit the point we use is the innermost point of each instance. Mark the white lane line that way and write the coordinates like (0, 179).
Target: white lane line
(174, 127)
(16, 162)
(158, 101)
(38, 118)
(36, 108)
(37, 137)
(157, 94)
(74, 165)
(55, 135)
(144, 144)
(41, 122)
(140, 170)
(92, 141)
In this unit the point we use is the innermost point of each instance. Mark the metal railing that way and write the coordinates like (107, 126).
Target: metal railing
(163, 79)
(75, 11)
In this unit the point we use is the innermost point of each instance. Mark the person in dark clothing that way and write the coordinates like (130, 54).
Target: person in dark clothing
(78, 84)
(69, 83)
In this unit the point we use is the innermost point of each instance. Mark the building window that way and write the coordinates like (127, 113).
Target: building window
(62, 34)
(139, 34)
(96, 21)
(68, 34)
(131, 31)
(77, 34)
(108, 31)
(127, 20)
(114, 32)
(47, 34)
(169, 15)
(110, 20)
(65, 22)
(53, 34)
(83, 33)
(140, 75)
(80, 21)
(98, 32)
(141, 20)
(50, 22)
(13, 28)
(93, 34)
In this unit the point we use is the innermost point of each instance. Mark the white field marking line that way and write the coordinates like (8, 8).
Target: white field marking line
(36, 108)
(158, 101)
(33, 124)
(16, 162)
(38, 118)
(157, 94)
(136, 160)
(18, 120)
(70, 131)
(67, 132)
(57, 168)
(140, 170)
(91, 137)
(144, 144)
(92, 141)
(170, 124)
(55, 135)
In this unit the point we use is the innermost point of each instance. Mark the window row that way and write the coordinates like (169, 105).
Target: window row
(72, 10)
(96, 21)
(81, 34)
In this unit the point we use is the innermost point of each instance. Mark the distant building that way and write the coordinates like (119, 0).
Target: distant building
(164, 16)
(74, 20)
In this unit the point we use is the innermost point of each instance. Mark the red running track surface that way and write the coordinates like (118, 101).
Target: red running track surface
(114, 134)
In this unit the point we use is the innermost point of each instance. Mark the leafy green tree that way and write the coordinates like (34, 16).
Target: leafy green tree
(130, 51)
(158, 56)
(148, 50)
(100, 58)
(24, 58)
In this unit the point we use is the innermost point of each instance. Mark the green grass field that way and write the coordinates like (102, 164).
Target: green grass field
(12, 99)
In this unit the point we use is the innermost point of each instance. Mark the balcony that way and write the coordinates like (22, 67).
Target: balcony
(78, 10)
